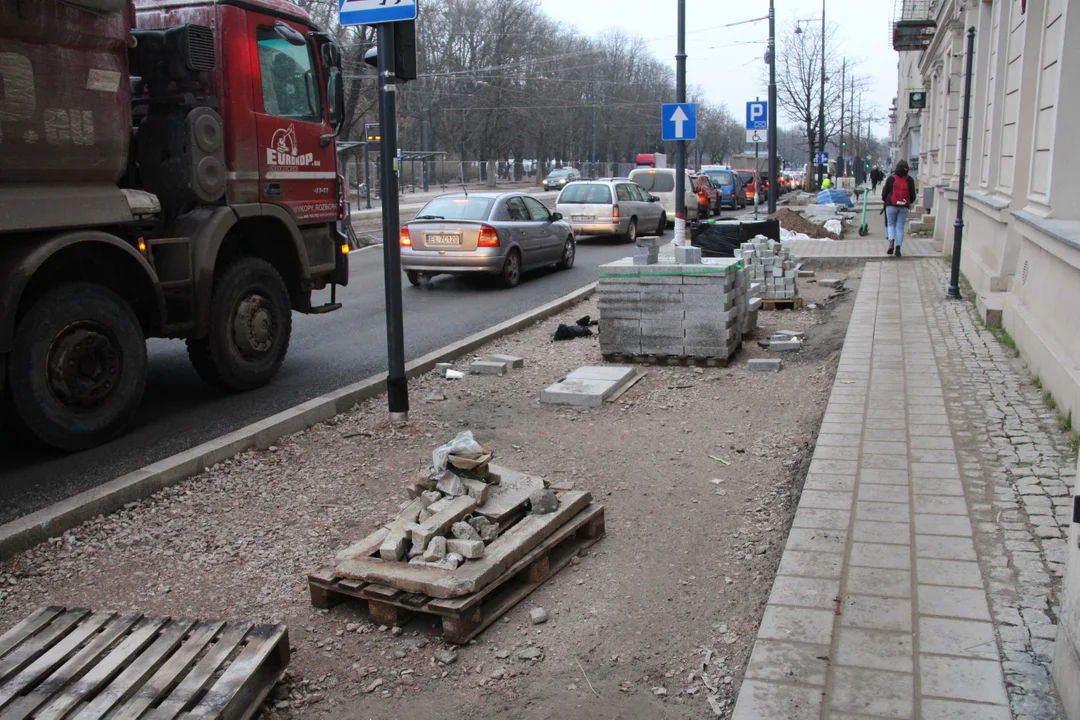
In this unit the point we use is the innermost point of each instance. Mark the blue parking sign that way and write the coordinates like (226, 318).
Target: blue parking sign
(757, 115)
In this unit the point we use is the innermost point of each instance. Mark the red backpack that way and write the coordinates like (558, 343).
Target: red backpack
(901, 195)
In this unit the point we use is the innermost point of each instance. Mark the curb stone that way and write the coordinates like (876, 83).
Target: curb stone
(54, 520)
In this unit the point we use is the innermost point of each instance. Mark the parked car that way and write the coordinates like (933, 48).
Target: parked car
(611, 206)
(730, 187)
(501, 234)
(708, 197)
(661, 183)
(560, 178)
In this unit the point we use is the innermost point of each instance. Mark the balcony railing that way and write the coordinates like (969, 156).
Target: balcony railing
(913, 24)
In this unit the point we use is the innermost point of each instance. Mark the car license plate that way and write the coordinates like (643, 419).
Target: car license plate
(443, 239)
(582, 218)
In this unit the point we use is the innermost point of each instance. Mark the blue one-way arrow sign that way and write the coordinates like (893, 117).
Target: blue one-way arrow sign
(679, 121)
(372, 12)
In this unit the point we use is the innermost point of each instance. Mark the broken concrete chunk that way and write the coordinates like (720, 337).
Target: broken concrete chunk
(538, 616)
(483, 367)
(440, 522)
(531, 653)
(436, 549)
(510, 495)
(511, 362)
(450, 484)
(441, 368)
(786, 346)
(396, 542)
(453, 560)
(446, 657)
(487, 529)
(542, 502)
(469, 549)
(433, 496)
(476, 489)
(765, 365)
(830, 282)
(562, 485)
(464, 531)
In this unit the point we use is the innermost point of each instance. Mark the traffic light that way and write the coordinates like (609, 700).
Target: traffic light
(404, 51)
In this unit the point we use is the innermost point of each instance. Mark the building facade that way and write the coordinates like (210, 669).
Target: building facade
(1021, 241)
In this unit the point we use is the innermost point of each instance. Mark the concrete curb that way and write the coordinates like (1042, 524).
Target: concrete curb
(27, 531)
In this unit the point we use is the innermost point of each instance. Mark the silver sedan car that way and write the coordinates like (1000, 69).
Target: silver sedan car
(501, 234)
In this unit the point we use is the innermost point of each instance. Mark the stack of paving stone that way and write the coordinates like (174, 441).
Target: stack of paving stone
(770, 264)
(690, 310)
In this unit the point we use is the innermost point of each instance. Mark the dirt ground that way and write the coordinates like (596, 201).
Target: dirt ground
(680, 580)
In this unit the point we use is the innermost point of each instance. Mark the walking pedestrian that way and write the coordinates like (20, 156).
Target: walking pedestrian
(898, 194)
(876, 176)
(826, 183)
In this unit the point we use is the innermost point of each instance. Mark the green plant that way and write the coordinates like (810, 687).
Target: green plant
(1076, 443)
(1037, 382)
(1049, 400)
(1005, 339)
(947, 259)
(1065, 422)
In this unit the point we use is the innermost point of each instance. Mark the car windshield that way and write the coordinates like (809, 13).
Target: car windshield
(655, 182)
(590, 193)
(720, 177)
(746, 175)
(559, 174)
(457, 208)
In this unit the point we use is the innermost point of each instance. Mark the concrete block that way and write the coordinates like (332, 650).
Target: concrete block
(830, 282)
(510, 361)
(468, 549)
(578, 393)
(482, 367)
(651, 329)
(619, 326)
(476, 489)
(441, 368)
(806, 273)
(991, 308)
(610, 373)
(646, 280)
(727, 281)
(786, 346)
(659, 347)
(721, 352)
(646, 259)
(687, 255)
(765, 365)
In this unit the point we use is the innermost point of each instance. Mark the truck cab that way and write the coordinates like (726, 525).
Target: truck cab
(169, 169)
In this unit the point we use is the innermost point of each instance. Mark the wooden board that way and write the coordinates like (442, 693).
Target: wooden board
(60, 662)
(465, 617)
(475, 574)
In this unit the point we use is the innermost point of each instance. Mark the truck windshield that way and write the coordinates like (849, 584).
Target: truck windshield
(457, 208)
(288, 82)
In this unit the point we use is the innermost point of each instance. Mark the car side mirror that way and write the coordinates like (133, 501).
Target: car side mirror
(653, 198)
(556, 216)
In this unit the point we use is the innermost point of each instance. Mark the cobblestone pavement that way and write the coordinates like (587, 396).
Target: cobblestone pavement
(921, 571)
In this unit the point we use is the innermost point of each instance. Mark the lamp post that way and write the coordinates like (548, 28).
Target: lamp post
(774, 171)
(821, 106)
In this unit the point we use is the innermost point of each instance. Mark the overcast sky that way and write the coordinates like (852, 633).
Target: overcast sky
(724, 62)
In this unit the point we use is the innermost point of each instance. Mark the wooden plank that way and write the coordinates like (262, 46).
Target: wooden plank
(25, 629)
(381, 592)
(351, 585)
(200, 676)
(386, 614)
(138, 669)
(29, 651)
(568, 529)
(240, 690)
(53, 658)
(475, 574)
(43, 692)
(321, 589)
(170, 673)
(101, 673)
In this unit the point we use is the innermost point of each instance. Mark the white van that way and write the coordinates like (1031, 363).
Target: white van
(661, 183)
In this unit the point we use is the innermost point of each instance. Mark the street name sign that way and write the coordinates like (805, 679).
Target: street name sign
(757, 115)
(678, 121)
(373, 12)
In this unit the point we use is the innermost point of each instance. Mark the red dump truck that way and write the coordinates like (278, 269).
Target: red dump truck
(167, 169)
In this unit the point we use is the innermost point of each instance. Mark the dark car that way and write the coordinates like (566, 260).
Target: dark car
(501, 234)
(730, 186)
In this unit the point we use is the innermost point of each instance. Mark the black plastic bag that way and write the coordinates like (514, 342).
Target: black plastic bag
(569, 332)
(723, 238)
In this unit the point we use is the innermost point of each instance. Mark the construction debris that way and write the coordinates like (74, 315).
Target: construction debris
(770, 264)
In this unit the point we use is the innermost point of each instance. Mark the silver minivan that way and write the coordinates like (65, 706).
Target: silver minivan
(661, 183)
(611, 206)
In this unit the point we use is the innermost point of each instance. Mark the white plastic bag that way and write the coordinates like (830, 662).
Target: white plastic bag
(463, 444)
(834, 226)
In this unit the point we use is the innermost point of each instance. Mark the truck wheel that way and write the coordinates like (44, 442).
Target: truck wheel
(250, 324)
(77, 371)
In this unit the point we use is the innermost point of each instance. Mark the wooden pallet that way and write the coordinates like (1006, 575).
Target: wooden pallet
(465, 617)
(782, 303)
(66, 662)
(676, 360)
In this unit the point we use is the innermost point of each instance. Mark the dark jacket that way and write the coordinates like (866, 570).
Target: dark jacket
(886, 192)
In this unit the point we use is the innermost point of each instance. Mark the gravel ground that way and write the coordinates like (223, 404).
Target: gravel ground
(655, 621)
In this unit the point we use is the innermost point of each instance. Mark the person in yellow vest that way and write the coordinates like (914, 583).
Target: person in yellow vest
(826, 183)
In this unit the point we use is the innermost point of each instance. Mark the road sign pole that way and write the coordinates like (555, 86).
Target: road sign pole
(680, 145)
(367, 178)
(757, 181)
(774, 165)
(397, 389)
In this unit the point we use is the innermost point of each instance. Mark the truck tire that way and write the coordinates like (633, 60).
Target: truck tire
(77, 371)
(250, 325)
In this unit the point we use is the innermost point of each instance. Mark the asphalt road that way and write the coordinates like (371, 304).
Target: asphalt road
(326, 353)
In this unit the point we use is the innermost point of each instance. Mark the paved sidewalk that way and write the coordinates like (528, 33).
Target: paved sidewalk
(870, 247)
(917, 582)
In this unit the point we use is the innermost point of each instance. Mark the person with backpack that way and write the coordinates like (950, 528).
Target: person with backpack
(898, 194)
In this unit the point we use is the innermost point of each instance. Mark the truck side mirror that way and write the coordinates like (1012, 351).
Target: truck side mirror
(289, 34)
(335, 96)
